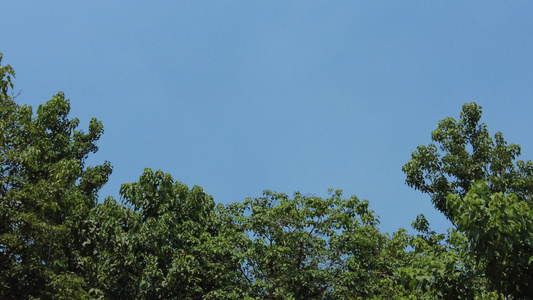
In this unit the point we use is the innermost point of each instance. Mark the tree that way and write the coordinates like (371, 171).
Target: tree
(164, 242)
(45, 194)
(440, 265)
(308, 247)
(499, 228)
(467, 153)
(478, 183)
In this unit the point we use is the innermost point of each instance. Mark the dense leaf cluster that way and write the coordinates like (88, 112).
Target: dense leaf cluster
(164, 240)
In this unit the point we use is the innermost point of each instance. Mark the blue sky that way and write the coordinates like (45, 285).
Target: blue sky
(243, 96)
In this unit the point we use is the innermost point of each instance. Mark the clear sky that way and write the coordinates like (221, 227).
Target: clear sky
(243, 96)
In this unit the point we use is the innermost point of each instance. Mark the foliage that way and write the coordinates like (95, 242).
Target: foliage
(163, 243)
(466, 153)
(500, 229)
(439, 266)
(6, 75)
(45, 194)
(308, 247)
(479, 185)
(166, 241)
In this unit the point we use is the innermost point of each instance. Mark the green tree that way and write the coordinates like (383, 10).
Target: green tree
(499, 228)
(479, 184)
(440, 266)
(465, 152)
(308, 247)
(45, 194)
(164, 242)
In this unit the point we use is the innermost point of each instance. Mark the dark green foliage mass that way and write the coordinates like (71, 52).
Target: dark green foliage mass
(46, 191)
(499, 228)
(164, 240)
(163, 243)
(479, 185)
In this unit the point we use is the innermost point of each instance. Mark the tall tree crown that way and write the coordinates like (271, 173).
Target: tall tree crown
(462, 153)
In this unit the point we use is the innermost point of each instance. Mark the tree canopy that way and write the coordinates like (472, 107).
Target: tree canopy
(464, 152)
(164, 240)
